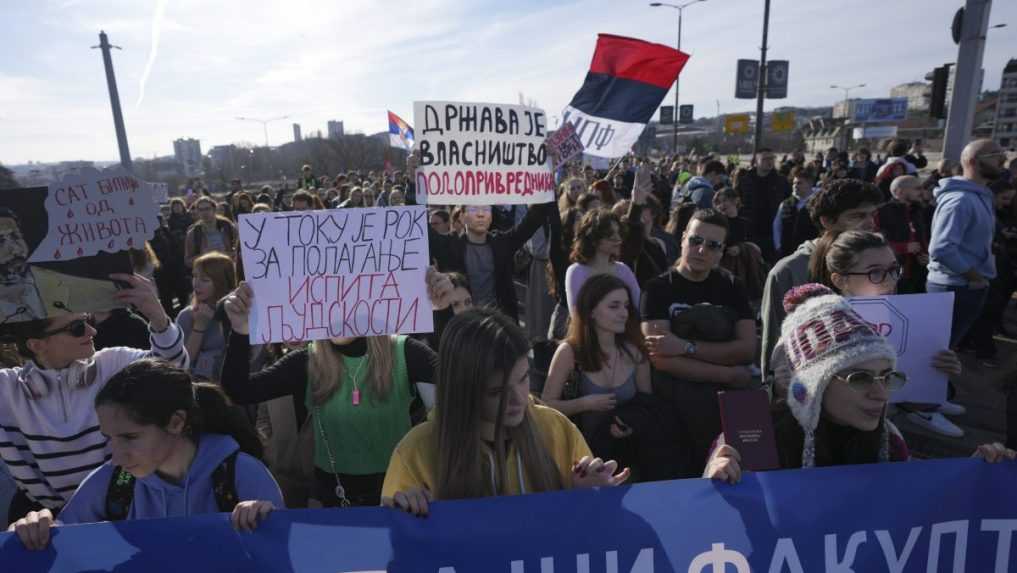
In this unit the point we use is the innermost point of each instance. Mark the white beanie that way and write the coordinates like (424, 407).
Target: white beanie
(822, 335)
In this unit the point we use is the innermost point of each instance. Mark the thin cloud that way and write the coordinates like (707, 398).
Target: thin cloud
(160, 10)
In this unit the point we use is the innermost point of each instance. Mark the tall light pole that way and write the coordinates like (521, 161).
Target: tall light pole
(680, 8)
(264, 123)
(761, 83)
(847, 105)
(114, 100)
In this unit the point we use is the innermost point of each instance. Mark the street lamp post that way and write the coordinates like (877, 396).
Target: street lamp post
(264, 123)
(680, 8)
(847, 104)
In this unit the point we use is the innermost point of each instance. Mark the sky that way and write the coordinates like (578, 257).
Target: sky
(209, 62)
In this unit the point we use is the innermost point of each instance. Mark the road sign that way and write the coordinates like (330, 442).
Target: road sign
(736, 124)
(776, 79)
(747, 79)
(782, 121)
(666, 114)
(685, 114)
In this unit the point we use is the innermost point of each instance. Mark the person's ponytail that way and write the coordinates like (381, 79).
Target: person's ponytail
(151, 391)
(214, 414)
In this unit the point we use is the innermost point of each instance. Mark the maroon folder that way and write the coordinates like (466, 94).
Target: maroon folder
(748, 427)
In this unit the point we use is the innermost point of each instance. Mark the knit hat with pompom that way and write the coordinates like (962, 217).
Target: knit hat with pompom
(822, 335)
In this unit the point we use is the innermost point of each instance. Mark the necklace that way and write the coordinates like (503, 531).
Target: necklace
(353, 378)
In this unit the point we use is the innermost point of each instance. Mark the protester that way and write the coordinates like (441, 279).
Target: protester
(210, 233)
(306, 179)
(864, 168)
(174, 445)
(344, 387)
(214, 278)
(786, 232)
(841, 205)
(440, 221)
(1001, 287)
(901, 223)
(699, 189)
(601, 367)
(864, 264)
(46, 411)
(596, 250)
(742, 258)
(701, 336)
(486, 258)
(960, 250)
(486, 436)
(762, 190)
(836, 412)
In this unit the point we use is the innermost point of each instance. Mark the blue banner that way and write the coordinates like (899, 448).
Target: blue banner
(881, 109)
(923, 516)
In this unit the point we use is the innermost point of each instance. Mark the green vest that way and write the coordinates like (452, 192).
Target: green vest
(363, 437)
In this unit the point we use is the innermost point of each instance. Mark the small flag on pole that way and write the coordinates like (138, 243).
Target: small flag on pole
(400, 134)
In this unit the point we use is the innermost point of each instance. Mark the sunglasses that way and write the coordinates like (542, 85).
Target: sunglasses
(863, 381)
(697, 241)
(878, 276)
(76, 328)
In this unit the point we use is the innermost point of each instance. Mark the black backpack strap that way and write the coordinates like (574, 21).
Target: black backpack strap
(224, 484)
(119, 494)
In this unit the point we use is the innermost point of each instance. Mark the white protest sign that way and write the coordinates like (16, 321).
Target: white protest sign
(336, 273)
(94, 211)
(160, 192)
(564, 144)
(481, 154)
(918, 327)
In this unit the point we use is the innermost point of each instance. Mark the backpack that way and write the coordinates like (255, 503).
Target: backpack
(120, 493)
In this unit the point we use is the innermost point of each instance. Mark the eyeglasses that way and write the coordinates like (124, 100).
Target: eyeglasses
(76, 328)
(697, 241)
(863, 381)
(878, 276)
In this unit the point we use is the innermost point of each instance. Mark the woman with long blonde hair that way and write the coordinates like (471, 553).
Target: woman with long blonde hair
(357, 394)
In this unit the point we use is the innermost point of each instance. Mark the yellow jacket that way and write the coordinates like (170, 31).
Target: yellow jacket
(414, 462)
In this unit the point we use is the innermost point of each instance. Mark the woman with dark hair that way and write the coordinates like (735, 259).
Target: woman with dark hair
(862, 264)
(359, 394)
(595, 250)
(601, 366)
(178, 449)
(214, 277)
(240, 204)
(487, 437)
(47, 417)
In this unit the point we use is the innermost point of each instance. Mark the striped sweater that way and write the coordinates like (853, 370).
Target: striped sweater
(49, 431)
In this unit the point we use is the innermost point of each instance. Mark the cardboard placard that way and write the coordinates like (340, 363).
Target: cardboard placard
(337, 273)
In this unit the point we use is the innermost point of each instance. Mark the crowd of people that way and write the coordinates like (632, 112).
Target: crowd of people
(649, 289)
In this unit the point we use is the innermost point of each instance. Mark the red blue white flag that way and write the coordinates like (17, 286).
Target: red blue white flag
(400, 134)
(627, 81)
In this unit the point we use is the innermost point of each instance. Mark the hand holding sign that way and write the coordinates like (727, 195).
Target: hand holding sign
(238, 307)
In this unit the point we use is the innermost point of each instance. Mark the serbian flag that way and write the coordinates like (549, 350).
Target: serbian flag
(400, 134)
(627, 81)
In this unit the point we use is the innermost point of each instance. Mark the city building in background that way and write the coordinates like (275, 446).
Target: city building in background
(296, 132)
(335, 129)
(1004, 130)
(918, 94)
(188, 154)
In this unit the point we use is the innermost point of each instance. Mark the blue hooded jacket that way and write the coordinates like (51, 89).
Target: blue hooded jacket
(962, 230)
(154, 497)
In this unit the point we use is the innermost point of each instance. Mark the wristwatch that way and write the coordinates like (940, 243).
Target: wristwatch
(690, 348)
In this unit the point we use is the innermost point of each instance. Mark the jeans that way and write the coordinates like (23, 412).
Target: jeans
(967, 307)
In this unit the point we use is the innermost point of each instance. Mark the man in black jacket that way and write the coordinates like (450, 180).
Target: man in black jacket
(487, 258)
(762, 191)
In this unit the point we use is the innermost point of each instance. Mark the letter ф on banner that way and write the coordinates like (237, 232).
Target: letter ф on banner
(830, 520)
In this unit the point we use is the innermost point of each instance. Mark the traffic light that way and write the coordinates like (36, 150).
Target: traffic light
(937, 104)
